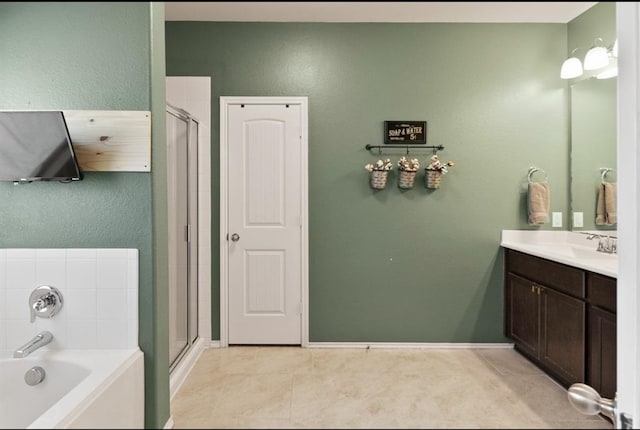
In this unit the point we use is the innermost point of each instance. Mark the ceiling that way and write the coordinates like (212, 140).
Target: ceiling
(497, 12)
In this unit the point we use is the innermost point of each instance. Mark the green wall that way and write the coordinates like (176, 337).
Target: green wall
(94, 56)
(597, 21)
(391, 265)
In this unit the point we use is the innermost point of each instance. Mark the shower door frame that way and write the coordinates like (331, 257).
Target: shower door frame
(191, 231)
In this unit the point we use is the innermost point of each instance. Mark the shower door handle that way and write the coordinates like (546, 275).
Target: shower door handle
(235, 237)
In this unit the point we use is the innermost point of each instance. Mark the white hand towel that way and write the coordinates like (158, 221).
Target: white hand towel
(539, 196)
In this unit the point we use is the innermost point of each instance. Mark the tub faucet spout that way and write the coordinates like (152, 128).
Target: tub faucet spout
(40, 340)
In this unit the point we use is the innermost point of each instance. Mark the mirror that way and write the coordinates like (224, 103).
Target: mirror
(593, 146)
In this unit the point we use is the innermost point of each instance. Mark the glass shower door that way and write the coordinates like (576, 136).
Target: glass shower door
(182, 132)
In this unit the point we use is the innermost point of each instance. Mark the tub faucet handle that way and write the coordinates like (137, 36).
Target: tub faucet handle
(44, 302)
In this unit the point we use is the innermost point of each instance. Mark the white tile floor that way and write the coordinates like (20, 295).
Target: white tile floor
(289, 387)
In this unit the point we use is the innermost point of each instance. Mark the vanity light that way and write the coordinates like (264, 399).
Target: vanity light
(597, 57)
(571, 68)
(610, 72)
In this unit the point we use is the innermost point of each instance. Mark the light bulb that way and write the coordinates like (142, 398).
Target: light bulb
(610, 72)
(571, 68)
(596, 58)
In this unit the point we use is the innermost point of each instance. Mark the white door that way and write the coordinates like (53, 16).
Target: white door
(264, 223)
(628, 323)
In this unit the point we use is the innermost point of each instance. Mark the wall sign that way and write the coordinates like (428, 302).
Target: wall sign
(405, 132)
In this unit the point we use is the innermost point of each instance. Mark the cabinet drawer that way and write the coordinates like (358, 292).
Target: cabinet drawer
(563, 278)
(601, 291)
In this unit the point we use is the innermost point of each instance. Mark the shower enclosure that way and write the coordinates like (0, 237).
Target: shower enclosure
(182, 202)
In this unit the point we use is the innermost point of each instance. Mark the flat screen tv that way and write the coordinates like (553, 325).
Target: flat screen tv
(36, 146)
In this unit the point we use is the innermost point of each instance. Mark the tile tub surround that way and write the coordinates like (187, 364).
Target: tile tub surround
(99, 290)
(571, 248)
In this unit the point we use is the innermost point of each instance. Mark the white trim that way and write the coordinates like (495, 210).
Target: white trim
(184, 367)
(214, 344)
(169, 424)
(226, 101)
(628, 161)
(409, 345)
(224, 258)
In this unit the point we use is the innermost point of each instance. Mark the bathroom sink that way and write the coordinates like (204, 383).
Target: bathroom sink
(581, 252)
(564, 247)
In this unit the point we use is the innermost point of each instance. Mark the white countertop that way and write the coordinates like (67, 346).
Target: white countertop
(571, 248)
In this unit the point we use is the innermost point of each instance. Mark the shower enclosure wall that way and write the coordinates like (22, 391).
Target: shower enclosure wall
(182, 185)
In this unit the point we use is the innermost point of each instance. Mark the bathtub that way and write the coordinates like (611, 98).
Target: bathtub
(81, 389)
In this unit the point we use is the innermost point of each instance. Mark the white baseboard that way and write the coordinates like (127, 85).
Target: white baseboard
(182, 370)
(214, 344)
(169, 424)
(399, 345)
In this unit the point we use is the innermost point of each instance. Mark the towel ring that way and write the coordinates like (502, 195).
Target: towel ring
(604, 171)
(533, 170)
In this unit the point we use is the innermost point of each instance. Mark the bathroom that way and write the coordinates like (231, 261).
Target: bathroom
(490, 93)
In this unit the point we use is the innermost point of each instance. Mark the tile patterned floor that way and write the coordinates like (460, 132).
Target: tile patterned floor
(290, 387)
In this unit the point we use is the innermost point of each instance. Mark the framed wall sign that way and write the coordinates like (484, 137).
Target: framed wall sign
(405, 132)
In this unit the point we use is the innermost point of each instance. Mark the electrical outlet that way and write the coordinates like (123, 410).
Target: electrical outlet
(578, 220)
(556, 219)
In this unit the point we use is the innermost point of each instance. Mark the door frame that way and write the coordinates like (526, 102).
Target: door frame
(628, 160)
(225, 102)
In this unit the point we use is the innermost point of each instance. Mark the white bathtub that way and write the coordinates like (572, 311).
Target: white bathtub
(81, 389)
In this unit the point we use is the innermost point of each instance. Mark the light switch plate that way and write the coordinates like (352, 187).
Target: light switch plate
(578, 219)
(556, 219)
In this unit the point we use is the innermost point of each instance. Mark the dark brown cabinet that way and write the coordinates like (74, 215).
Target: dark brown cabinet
(563, 319)
(601, 342)
(548, 327)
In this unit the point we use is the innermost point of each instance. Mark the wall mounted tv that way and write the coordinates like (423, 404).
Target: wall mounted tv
(36, 146)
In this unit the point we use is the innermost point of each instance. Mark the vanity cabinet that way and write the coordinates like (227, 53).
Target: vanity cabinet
(547, 326)
(601, 341)
(546, 314)
(563, 319)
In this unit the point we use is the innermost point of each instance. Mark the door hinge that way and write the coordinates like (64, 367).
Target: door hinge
(187, 233)
(626, 422)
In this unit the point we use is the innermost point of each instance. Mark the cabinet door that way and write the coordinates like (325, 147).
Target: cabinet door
(523, 311)
(562, 335)
(602, 352)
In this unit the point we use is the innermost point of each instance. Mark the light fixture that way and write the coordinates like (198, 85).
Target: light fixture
(597, 57)
(610, 72)
(571, 68)
(599, 60)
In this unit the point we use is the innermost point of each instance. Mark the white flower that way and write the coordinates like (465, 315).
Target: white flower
(436, 164)
(410, 165)
(379, 165)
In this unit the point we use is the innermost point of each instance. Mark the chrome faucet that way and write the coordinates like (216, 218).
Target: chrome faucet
(606, 244)
(41, 339)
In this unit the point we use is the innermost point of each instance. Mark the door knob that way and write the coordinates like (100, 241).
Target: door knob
(589, 402)
(235, 237)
